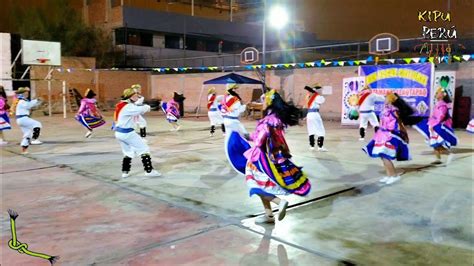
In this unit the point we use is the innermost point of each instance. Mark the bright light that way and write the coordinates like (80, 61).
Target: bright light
(278, 17)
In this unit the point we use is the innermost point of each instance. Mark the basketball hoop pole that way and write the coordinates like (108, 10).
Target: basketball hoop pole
(50, 71)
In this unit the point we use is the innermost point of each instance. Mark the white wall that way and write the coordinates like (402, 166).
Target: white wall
(5, 62)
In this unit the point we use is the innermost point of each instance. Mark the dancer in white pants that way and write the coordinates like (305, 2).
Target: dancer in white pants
(314, 122)
(231, 110)
(132, 144)
(214, 113)
(367, 100)
(140, 120)
(31, 128)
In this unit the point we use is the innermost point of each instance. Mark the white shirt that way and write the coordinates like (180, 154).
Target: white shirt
(235, 110)
(317, 102)
(369, 102)
(126, 116)
(24, 106)
(216, 102)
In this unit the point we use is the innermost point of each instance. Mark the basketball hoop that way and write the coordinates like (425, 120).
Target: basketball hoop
(42, 60)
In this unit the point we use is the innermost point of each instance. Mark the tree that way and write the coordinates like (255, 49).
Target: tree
(58, 21)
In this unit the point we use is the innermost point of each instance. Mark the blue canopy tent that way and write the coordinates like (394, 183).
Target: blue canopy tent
(231, 78)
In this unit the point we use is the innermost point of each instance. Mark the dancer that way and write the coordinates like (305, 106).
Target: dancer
(438, 128)
(171, 110)
(268, 170)
(314, 122)
(140, 120)
(88, 114)
(4, 119)
(470, 126)
(132, 144)
(31, 128)
(366, 105)
(390, 142)
(232, 107)
(213, 112)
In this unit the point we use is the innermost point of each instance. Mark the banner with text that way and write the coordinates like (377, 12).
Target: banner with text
(412, 82)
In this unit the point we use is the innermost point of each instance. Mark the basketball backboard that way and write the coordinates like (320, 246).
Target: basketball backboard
(40, 53)
(383, 43)
(249, 55)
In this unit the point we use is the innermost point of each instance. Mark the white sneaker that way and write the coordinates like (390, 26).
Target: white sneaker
(282, 209)
(322, 149)
(153, 173)
(392, 180)
(125, 174)
(384, 179)
(361, 139)
(145, 140)
(88, 134)
(264, 219)
(211, 135)
(311, 148)
(36, 142)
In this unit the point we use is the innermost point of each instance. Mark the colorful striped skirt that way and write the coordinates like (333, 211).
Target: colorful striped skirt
(90, 122)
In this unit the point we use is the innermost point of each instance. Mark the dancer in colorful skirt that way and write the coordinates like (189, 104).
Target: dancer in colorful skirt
(390, 142)
(31, 128)
(314, 122)
(232, 108)
(367, 100)
(214, 113)
(438, 128)
(88, 114)
(470, 126)
(171, 110)
(4, 119)
(267, 167)
(132, 144)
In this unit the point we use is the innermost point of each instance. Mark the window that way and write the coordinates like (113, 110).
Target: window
(172, 41)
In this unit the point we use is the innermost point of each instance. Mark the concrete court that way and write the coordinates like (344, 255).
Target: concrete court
(199, 212)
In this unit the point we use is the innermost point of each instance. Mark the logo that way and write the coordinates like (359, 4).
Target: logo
(439, 35)
(22, 248)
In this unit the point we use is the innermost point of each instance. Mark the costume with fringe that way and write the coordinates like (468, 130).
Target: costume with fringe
(389, 142)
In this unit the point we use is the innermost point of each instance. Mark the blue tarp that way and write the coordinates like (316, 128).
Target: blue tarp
(233, 78)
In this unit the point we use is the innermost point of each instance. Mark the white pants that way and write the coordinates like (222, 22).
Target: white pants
(141, 122)
(215, 118)
(27, 124)
(315, 124)
(234, 125)
(132, 144)
(365, 118)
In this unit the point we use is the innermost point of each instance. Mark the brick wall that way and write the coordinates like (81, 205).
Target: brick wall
(110, 84)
